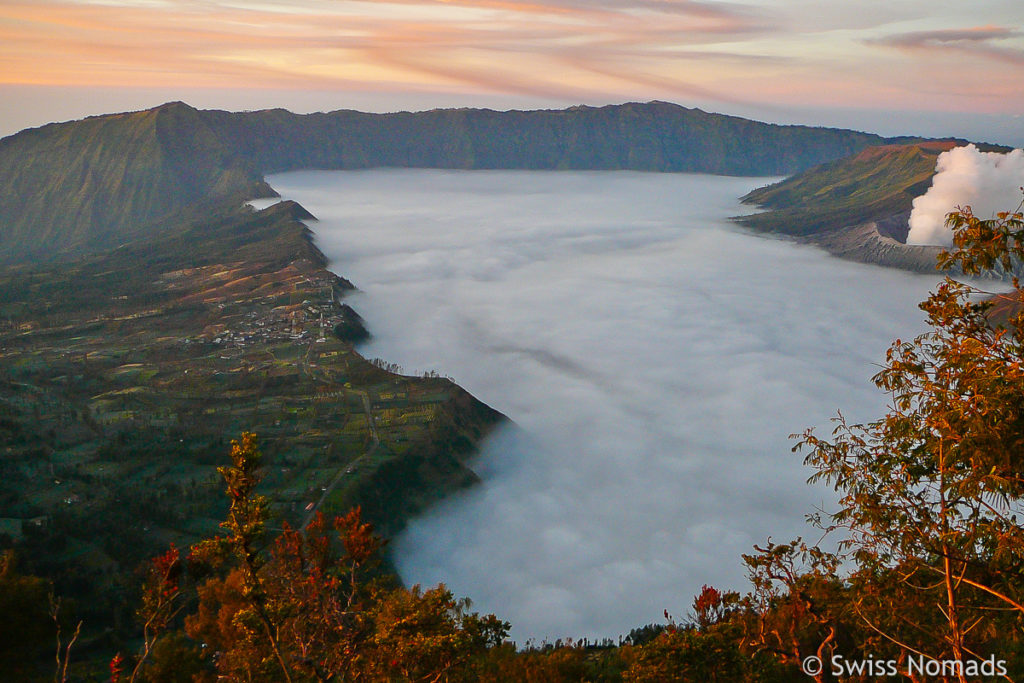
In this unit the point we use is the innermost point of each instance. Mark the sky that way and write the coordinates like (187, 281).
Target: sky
(932, 67)
(654, 359)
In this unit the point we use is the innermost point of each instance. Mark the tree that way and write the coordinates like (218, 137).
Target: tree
(795, 607)
(161, 603)
(428, 635)
(931, 494)
(310, 605)
(689, 654)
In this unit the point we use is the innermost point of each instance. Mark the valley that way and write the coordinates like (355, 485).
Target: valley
(148, 317)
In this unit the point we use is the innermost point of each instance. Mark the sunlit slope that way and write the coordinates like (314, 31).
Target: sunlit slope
(874, 184)
(89, 184)
(857, 208)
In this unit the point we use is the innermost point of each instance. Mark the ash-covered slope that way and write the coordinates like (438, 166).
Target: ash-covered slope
(881, 243)
(85, 185)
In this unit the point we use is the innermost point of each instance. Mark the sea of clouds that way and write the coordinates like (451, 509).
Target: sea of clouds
(988, 182)
(653, 357)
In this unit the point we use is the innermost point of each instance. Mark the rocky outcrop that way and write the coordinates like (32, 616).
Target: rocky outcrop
(880, 243)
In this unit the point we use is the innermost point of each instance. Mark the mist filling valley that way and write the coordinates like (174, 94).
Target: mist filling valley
(653, 357)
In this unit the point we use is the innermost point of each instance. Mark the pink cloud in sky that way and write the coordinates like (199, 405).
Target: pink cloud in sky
(981, 41)
(754, 53)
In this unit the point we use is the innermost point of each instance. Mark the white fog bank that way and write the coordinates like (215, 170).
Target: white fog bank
(988, 182)
(653, 356)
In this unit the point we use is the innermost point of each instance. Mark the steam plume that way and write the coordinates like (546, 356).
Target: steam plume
(986, 181)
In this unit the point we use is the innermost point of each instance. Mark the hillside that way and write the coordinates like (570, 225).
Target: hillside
(856, 208)
(124, 375)
(82, 186)
(876, 183)
(95, 182)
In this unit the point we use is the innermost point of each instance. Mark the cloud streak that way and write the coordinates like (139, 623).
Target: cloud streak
(576, 50)
(339, 45)
(981, 41)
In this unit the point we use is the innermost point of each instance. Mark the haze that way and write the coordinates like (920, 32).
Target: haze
(653, 357)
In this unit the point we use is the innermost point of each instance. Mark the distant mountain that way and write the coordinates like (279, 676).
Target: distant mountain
(90, 184)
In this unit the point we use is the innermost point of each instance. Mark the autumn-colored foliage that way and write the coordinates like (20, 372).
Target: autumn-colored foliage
(116, 668)
(932, 493)
(309, 605)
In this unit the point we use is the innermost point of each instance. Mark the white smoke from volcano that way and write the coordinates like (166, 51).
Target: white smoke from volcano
(988, 182)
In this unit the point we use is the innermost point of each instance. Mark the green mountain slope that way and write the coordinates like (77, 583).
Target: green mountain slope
(857, 208)
(85, 185)
(124, 375)
(874, 184)
(92, 183)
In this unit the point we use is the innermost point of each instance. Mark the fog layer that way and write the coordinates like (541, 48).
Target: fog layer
(988, 182)
(653, 357)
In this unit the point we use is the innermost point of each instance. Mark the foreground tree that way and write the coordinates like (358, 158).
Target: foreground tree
(931, 494)
(310, 606)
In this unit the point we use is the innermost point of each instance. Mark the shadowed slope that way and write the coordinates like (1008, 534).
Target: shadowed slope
(95, 182)
(656, 136)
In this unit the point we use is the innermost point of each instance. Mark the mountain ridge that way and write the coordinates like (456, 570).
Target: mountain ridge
(90, 184)
(87, 185)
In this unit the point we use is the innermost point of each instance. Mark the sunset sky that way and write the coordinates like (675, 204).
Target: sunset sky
(912, 66)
